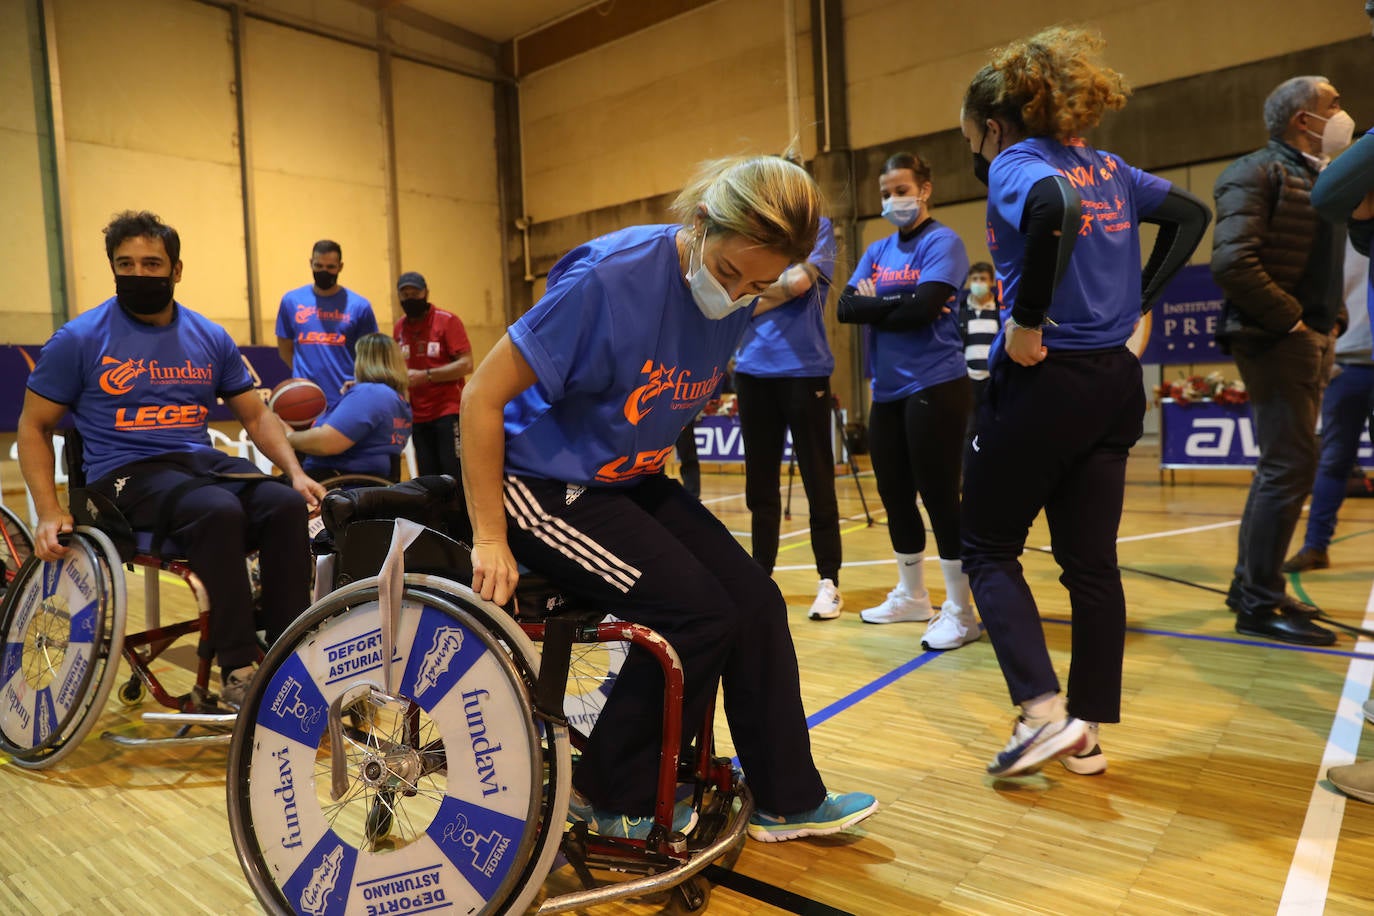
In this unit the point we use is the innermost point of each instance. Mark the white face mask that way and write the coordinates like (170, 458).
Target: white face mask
(1337, 134)
(979, 289)
(902, 211)
(715, 303)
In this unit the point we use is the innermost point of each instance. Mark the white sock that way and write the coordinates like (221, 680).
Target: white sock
(911, 568)
(956, 584)
(1049, 706)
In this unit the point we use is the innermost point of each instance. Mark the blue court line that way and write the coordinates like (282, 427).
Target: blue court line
(896, 674)
(872, 687)
(1149, 631)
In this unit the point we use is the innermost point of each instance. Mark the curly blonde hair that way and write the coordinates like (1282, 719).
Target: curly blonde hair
(1052, 84)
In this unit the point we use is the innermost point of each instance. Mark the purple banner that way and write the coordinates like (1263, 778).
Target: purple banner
(1209, 435)
(1182, 326)
(16, 362)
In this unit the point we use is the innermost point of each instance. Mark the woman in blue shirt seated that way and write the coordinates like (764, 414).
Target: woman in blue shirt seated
(368, 429)
(566, 427)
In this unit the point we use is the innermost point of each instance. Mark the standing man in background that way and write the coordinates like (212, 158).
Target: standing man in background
(1278, 263)
(438, 358)
(980, 318)
(319, 325)
(1346, 408)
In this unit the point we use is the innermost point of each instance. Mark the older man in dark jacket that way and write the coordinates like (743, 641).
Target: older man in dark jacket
(1279, 265)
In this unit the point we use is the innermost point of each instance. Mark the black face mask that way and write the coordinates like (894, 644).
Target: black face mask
(325, 280)
(981, 167)
(143, 295)
(415, 308)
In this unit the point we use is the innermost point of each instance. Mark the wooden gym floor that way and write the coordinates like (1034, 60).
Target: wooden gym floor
(1214, 801)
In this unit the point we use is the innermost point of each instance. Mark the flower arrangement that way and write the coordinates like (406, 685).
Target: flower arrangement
(1193, 388)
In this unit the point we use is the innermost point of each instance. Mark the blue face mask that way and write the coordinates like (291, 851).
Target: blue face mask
(902, 211)
(715, 303)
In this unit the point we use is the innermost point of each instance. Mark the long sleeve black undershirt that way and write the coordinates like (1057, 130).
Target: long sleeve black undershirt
(1182, 219)
(905, 311)
(1049, 224)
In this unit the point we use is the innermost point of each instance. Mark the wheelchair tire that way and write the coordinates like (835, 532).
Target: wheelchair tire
(16, 545)
(63, 628)
(411, 831)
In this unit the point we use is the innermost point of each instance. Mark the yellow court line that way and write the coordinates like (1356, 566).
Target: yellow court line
(807, 543)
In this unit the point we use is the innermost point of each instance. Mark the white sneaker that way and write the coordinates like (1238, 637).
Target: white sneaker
(951, 628)
(1090, 762)
(900, 607)
(828, 602)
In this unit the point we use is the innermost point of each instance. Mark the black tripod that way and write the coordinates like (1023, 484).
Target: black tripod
(848, 454)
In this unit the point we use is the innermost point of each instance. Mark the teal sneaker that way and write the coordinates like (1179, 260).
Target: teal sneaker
(609, 823)
(833, 815)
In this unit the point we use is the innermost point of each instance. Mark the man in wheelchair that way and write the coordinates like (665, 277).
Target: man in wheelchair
(139, 374)
(565, 428)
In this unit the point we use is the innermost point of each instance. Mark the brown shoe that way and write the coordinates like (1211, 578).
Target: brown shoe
(1355, 780)
(1306, 559)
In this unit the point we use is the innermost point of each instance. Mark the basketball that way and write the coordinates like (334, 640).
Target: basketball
(298, 401)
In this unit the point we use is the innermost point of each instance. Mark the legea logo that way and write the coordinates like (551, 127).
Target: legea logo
(119, 379)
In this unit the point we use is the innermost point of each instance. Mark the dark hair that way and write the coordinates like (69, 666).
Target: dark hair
(1049, 85)
(981, 267)
(325, 246)
(132, 224)
(918, 166)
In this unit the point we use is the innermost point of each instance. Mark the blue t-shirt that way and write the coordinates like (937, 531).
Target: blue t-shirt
(323, 331)
(623, 359)
(377, 419)
(136, 391)
(905, 362)
(789, 341)
(1097, 302)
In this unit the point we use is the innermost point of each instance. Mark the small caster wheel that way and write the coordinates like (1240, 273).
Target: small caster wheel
(689, 897)
(132, 692)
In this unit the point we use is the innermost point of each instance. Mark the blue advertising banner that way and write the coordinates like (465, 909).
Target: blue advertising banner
(16, 362)
(1209, 435)
(719, 440)
(1183, 324)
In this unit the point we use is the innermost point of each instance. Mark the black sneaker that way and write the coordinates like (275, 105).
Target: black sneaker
(1284, 625)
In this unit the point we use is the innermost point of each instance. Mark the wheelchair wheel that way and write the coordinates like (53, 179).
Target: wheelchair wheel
(343, 797)
(63, 626)
(591, 675)
(16, 545)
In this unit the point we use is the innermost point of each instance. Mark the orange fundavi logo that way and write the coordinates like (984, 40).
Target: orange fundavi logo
(119, 378)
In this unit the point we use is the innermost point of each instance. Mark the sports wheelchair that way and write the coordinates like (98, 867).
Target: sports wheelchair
(63, 626)
(342, 794)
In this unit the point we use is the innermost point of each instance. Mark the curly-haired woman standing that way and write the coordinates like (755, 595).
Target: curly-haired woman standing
(1066, 401)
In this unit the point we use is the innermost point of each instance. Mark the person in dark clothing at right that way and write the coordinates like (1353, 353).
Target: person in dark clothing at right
(1278, 263)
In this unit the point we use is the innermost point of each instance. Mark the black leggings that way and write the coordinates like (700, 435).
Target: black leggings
(768, 407)
(916, 446)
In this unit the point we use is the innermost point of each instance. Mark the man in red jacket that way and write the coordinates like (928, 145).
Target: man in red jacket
(439, 359)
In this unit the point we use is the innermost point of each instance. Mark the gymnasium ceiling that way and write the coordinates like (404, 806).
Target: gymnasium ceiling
(499, 20)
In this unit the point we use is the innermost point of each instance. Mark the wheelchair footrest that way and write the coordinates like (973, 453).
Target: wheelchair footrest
(731, 834)
(132, 741)
(225, 719)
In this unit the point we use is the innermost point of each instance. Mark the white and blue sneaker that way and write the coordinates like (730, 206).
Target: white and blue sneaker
(1033, 744)
(609, 823)
(834, 814)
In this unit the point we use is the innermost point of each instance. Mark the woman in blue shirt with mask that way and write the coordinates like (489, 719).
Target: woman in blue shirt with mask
(1066, 400)
(904, 288)
(566, 426)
